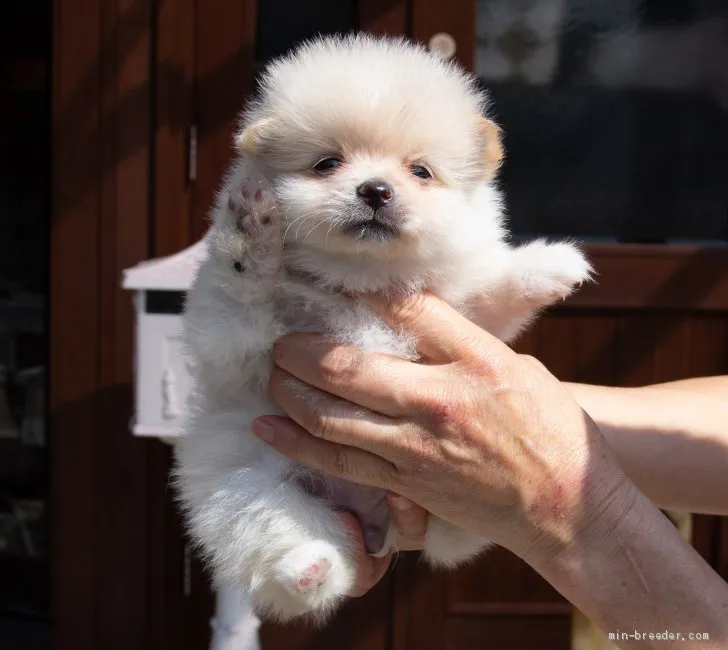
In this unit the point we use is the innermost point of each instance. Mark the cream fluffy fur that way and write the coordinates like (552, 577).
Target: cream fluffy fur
(284, 236)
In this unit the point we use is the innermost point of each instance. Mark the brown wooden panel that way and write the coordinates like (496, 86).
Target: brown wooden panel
(527, 342)
(556, 344)
(673, 345)
(419, 619)
(635, 348)
(454, 18)
(383, 16)
(174, 70)
(168, 620)
(595, 341)
(708, 344)
(574, 344)
(102, 541)
(123, 241)
(225, 36)
(508, 633)
(704, 536)
(499, 582)
(656, 277)
(74, 325)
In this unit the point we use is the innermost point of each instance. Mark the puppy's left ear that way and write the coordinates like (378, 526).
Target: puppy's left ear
(491, 145)
(256, 137)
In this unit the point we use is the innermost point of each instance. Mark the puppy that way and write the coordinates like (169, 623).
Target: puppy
(365, 165)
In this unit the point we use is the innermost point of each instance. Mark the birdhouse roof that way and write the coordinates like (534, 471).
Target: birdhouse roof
(173, 273)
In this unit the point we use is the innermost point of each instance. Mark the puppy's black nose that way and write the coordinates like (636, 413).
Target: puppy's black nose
(376, 193)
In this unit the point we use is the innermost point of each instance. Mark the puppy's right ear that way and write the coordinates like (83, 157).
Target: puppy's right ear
(255, 138)
(491, 144)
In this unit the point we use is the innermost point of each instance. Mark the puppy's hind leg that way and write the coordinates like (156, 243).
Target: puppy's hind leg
(259, 530)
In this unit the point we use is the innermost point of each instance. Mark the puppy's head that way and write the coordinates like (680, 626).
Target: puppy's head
(371, 144)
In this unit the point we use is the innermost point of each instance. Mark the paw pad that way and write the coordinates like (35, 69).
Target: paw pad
(314, 575)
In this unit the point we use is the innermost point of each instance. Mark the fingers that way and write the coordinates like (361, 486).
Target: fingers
(410, 520)
(335, 420)
(378, 382)
(369, 570)
(443, 335)
(294, 442)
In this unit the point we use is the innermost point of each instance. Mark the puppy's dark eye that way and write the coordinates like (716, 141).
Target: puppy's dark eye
(420, 171)
(327, 165)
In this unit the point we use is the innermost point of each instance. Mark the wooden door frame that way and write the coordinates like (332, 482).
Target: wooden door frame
(102, 487)
(118, 127)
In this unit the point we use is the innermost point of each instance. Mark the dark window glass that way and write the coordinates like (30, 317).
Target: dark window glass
(24, 225)
(615, 115)
(283, 23)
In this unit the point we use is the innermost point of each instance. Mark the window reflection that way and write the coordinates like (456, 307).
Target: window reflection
(25, 93)
(615, 114)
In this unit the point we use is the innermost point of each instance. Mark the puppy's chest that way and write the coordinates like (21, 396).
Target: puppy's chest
(302, 307)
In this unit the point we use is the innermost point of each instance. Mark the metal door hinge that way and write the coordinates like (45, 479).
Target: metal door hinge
(192, 154)
(187, 572)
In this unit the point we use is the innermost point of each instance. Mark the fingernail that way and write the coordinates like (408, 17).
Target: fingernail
(264, 429)
(373, 538)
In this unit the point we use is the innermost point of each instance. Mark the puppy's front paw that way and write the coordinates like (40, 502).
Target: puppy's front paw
(315, 574)
(253, 210)
(551, 272)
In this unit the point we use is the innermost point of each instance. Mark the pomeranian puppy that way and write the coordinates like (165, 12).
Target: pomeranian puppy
(365, 165)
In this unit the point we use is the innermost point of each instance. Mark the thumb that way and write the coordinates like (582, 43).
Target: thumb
(443, 334)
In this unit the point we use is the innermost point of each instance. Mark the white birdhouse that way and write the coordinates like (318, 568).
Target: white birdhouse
(161, 388)
(162, 377)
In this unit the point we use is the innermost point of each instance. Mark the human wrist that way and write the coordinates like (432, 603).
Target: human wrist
(591, 530)
(631, 569)
(587, 567)
(586, 495)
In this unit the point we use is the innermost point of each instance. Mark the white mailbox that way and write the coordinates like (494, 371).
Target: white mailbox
(161, 368)
(162, 385)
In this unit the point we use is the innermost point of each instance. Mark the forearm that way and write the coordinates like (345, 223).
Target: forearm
(633, 572)
(671, 439)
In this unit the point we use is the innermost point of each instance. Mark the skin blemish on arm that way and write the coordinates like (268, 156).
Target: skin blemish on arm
(442, 413)
(558, 497)
(425, 439)
(557, 512)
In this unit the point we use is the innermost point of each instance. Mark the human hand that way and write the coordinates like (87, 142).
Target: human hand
(476, 434)
(411, 523)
